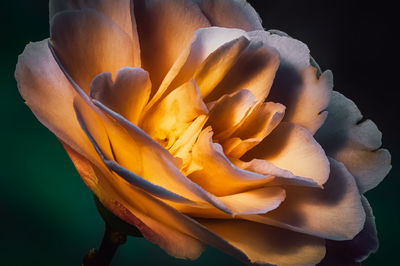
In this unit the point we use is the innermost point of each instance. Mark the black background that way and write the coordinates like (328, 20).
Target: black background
(47, 215)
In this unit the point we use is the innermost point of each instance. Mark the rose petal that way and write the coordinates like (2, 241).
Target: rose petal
(265, 244)
(296, 84)
(257, 201)
(354, 142)
(218, 175)
(293, 148)
(139, 159)
(334, 212)
(119, 11)
(89, 43)
(127, 95)
(229, 112)
(50, 96)
(254, 70)
(204, 42)
(217, 64)
(255, 127)
(151, 216)
(174, 114)
(165, 29)
(281, 176)
(231, 14)
(353, 251)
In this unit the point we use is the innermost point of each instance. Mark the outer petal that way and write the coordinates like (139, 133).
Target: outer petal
(293, 148)
(119, 11)
(296, 84)
(352, 252)
(89, 43)
(231, 14)
(176, 233)
(165, 29)
(50, 96)
(127, 95)
(265, 244)
(349, 139)
(334, 212)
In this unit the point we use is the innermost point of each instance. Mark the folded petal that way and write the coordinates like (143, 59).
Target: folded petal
(254, 70)
(138, 159)
(204, 43)
(165, 29)
(356, 143)
(293, 148)
(281, 176)
(354, 251)
(49, 94)
(231, 14)
(257, 201)
(177, 234)
(255, 127)
(119, 11)
(265, 244)
(217, 174)
(89, 43)
(229, 112)
(126, 95)
(174, 114)
(297, 85)
(335, 212)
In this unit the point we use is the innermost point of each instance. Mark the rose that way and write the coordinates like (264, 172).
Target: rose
(228, 136)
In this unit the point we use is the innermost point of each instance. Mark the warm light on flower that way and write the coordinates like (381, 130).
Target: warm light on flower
(192, 123)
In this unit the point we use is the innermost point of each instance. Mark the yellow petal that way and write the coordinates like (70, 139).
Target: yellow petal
(241, 14)
(174, 114)
(89, 43)
(293, 148)
(228, 113)
(127, 95)
(218, 175)
(265, 244)
(334, 212)
(204, 42)
(165, 29)
(355, 143)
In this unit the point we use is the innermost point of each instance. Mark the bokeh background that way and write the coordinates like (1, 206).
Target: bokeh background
(47, 215)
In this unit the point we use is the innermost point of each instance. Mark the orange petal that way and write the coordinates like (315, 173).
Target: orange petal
(293, 148)
(255, 127)
(265, 244)
(174, 114)
(218, 175)
(165, 28)
(127, 95)
(354, 142)
(254, 70)
(89, 43)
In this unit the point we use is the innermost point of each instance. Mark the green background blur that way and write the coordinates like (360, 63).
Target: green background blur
(47, 215)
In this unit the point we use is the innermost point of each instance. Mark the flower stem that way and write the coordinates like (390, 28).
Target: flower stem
(109, 245)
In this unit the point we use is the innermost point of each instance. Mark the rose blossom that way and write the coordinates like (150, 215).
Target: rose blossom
(189, 121)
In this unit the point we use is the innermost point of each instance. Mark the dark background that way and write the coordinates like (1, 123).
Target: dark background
(47, 216)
